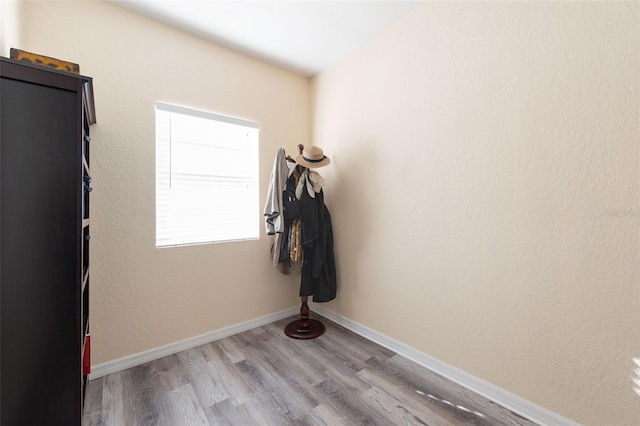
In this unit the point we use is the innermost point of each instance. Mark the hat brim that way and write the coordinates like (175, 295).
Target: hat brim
(312, 165)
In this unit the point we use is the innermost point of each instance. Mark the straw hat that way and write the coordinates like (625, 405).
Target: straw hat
(313, 157)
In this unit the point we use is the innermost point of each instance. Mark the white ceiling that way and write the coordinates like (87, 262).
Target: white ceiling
(303, 36)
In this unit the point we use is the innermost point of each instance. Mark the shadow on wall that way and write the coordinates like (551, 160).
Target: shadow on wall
(350, 202)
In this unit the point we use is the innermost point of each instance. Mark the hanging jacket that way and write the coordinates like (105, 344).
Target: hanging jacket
(273, 206)
(319, 269)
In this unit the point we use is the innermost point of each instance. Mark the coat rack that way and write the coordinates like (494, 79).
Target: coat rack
(305, 327)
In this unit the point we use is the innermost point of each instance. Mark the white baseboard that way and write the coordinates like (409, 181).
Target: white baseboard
(129, 361)
(508, 400)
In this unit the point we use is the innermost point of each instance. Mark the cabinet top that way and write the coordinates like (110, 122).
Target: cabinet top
(14, 69)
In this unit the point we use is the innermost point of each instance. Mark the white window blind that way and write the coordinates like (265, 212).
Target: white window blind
(206, 177)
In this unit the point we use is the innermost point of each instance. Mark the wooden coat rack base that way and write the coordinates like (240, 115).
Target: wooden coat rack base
(304, 328)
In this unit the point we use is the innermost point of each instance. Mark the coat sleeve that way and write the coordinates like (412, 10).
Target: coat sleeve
(274, 222)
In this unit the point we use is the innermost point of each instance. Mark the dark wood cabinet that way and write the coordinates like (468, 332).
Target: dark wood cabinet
(44, 233)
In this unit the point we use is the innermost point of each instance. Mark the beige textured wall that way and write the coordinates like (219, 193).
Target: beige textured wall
(143, 297)
(9, 29)
(485, 194)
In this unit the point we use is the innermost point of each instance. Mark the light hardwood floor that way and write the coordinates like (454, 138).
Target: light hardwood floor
(262, 377)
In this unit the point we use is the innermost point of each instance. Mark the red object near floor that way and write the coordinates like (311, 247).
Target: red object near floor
(86, 358)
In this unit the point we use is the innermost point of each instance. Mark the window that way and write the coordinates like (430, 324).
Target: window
(206, 177)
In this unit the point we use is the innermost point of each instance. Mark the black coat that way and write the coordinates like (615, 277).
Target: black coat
(319, 268)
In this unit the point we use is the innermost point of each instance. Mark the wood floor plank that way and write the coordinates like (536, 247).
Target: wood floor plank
(261, 377)
(92, 415)
(145, 398)
(446, 390)
(325, 415)
(225, 375)
(277, 355)
(412, 401)
(347, 404)
(353, 344)
(406, 388)
(185, 409)
(116, 398)
(267, 374)
(267, 400)
(399, 411)
(287, 352)
(167, 373)
(225, 413)
(231, 350)
(150, 383)
(205, 386)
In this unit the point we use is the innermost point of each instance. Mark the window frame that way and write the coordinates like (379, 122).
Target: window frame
(165, 240)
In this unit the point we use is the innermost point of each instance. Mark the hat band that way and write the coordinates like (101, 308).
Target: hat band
(308, 160)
